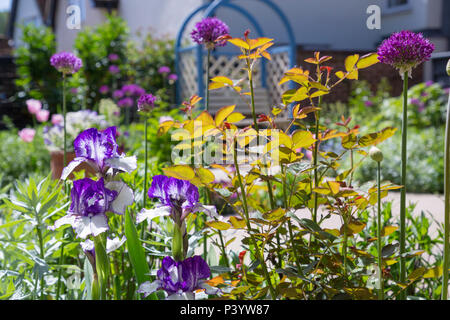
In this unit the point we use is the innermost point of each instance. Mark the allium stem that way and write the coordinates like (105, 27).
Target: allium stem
(144, 191)
(380, 261)
(64, 115)
(207, 82)
(447, 206)
(403, 183)
(315, 158)
(259, 254)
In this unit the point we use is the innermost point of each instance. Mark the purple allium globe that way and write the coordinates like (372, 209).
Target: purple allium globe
(126, 102)
(405, 50)
(180, 279)
(146, 102)
(177, 198)
(113, 69)
(164, 69)
(208, 31)
(66, 62)
(172, 77)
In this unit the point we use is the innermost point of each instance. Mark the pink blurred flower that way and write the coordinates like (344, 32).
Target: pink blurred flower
(57, 118)
(73, 90)
(42, 115)
(27, 134)
(33, 106)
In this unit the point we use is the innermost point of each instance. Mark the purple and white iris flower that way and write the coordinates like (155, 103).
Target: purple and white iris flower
(90, 202)
(100, 150)
(180, 279)
(177, 198)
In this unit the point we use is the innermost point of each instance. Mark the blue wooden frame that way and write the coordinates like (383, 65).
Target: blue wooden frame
(209, 10)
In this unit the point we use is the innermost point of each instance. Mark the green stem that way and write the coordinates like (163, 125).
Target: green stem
(64, 124)
(447, 205)
(207, 82)
(102, 266)
(259, 255)
(61, 262)
(291, 234)
(252, 94)
(41, 253)
(144, 191)
(380, 262)
(344, 248)
(403, 183)
(224, 253)
(316, 177)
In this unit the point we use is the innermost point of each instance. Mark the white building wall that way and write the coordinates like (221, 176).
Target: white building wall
(335, 24)
(27, 12)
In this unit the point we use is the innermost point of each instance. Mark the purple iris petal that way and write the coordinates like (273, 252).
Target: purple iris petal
(181, 195)
(193, 270)
(208, 31)
(90, 197)
(100, 150)
(90, 201)
(97, 146)
(179, 278)
(66, 62)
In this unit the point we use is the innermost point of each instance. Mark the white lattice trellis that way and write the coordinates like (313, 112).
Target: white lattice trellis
(234, 68)
(275, 69)
(188, 75)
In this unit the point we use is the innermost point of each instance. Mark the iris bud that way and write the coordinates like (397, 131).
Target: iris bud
(448, 67)
(376, 154)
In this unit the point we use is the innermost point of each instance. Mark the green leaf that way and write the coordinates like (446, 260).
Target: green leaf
(389, 250)
(219, 225)
(136, 253)
(275, 214)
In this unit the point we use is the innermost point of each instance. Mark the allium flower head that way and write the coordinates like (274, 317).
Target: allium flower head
(66, 62)
(164, 69)
(180, 279)
(208, 31)
(172, 77)
(405, 50)
(113, 57)
(103, 89)
(146, 102)
(117, 94)
(113, 69)
(126, 102)
(177, 199)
